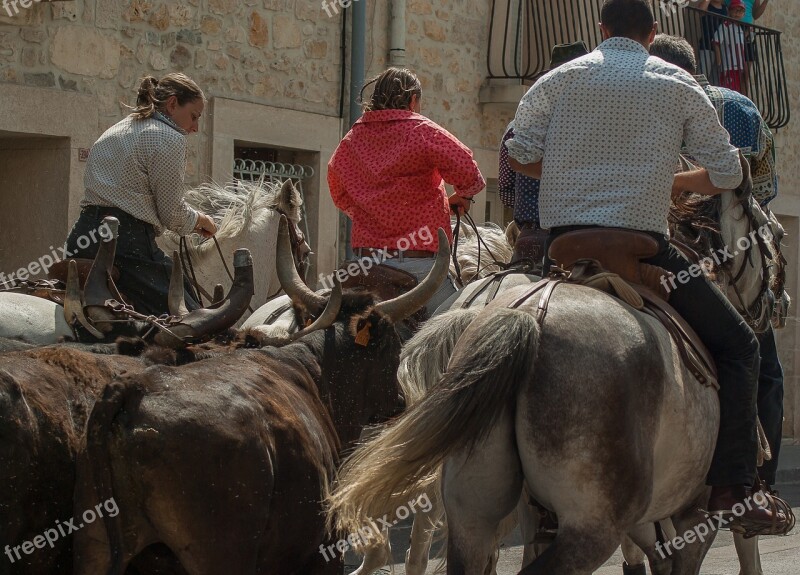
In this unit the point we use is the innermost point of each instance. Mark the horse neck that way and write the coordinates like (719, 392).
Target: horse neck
(743, 285)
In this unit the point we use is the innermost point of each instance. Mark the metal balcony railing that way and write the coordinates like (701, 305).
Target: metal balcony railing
(523, 32)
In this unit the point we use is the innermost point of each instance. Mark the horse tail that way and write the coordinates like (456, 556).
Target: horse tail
(99, 432)
(493, 358)
(424, 358)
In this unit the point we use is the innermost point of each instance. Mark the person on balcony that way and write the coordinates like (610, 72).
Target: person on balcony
(749, 132)
(753, 10)
(574, 130)
(388, 175)
(135, 173)
(708, 25)
(729, 48)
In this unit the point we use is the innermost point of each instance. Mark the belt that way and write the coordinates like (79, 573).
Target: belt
(104, 211)
(364, 252)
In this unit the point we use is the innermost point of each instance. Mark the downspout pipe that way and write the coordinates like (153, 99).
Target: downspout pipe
(358, 50)
(397, 34)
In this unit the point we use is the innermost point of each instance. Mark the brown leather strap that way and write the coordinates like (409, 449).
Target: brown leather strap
(492, 282)
(546, 286)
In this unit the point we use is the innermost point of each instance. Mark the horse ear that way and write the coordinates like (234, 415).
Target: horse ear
(287, 190)
(290, 196)
(746, 187)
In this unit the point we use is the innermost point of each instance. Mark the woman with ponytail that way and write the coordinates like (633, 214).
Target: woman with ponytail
(388, 176)
(135, 173)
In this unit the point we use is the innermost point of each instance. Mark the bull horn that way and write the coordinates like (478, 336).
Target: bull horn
(219, 293)
(96, 291)
(288, 277)
(176, 301)
(202, 323)
(399, 308)
(73, 307)
(328, 315)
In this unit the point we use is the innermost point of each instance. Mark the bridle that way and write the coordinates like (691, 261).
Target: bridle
(481, 242)
(755, 313)
(299, 255)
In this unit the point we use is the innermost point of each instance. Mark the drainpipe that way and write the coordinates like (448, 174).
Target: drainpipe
(397, 34)
(358, 51)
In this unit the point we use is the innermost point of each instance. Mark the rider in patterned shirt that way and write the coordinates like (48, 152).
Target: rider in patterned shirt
(388, 176)
(749, 132)
(604, 134)
(135, 173)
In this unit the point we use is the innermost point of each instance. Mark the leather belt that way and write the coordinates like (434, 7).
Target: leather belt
(367, 252)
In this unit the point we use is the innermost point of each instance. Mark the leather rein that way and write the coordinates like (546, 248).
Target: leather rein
(294, 237)
(481, 242)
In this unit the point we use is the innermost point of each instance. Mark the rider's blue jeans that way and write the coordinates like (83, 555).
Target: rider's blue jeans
(734, 348)
(144, 270)
(770, 402)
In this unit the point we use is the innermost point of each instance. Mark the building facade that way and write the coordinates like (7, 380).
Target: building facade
(275, 74)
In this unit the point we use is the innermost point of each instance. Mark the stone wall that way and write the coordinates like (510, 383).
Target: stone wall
(278, 52)
(282, 53)
(785, 16)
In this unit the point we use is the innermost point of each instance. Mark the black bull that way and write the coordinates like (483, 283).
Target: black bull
(225, 460)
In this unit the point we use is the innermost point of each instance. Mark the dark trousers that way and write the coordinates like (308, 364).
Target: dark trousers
(734, 347)
(144, 269)
(770, 402)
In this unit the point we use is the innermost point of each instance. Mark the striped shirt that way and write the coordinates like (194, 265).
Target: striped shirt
(138, 166)
(608, 127)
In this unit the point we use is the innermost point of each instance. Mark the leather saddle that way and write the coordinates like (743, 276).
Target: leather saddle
(59, 271)
(591, 253)
(53, 288)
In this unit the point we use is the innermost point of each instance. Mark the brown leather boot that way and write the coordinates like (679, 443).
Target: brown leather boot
(739, 509)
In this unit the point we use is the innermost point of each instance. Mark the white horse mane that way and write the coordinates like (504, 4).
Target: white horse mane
(239, 206)
(494, 237)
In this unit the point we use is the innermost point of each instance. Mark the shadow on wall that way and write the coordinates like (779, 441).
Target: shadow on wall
(34, 198)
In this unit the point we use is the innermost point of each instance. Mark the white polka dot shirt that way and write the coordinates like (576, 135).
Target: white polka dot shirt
(138, 166)
(608, 127)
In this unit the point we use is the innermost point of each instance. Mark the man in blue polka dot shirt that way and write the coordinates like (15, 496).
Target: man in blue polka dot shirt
(748, 130)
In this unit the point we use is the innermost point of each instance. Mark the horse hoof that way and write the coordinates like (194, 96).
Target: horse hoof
(635, 570)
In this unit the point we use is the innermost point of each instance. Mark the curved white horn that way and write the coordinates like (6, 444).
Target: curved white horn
(328, 316)
(287, 274)
(403, 306)
(176, 302)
